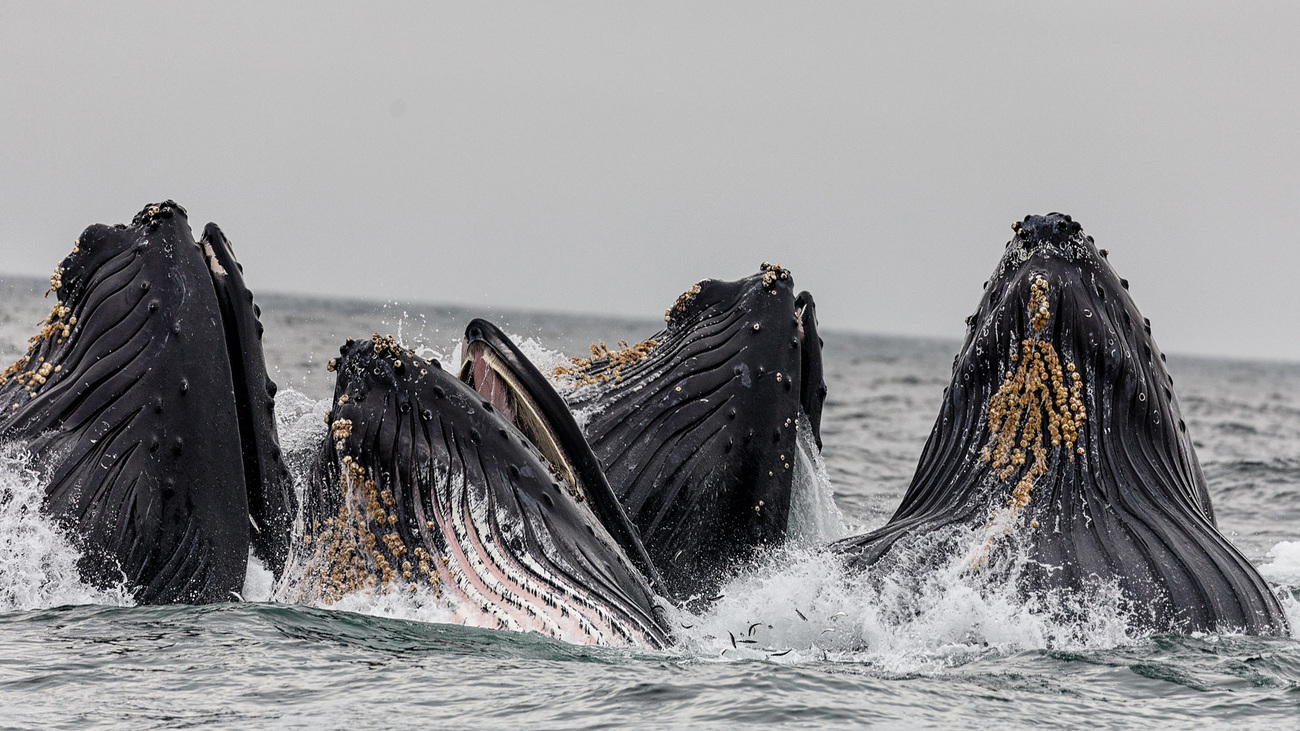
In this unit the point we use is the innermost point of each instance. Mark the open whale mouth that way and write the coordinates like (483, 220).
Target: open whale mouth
(499, 379)
(497, 370)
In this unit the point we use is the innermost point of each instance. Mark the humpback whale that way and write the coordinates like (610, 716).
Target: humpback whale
(1060, 441)
(696, 426)
(424, 482)
(145, 397)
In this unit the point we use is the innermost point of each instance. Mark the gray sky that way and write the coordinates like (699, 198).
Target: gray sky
(601, 157)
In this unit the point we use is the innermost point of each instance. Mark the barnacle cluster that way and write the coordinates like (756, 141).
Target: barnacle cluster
(771, 273)
(385, 343)
(359, 547)
(1040, 392)
(683, 300)
(56, 328)
(611, 362)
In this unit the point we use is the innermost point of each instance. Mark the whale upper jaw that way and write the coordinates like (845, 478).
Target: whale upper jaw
(1060, 438)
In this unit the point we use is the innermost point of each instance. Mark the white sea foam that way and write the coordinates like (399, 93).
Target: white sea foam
(546, 359)
(904, 618)
(38, 564)
(399, 602)
(1285, 567)
(300, 421)
(259, 582)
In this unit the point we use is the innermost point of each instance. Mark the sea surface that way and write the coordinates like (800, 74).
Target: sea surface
(793, 642)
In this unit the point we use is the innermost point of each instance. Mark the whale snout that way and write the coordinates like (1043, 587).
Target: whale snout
(1053, 228)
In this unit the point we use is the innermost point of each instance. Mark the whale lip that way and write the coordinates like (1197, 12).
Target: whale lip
(493, 366)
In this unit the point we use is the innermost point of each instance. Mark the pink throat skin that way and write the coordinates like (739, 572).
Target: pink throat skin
(489, 385)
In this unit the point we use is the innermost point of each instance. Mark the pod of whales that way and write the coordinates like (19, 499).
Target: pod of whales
(1058, 461)
(144, 397)
(1060, 435)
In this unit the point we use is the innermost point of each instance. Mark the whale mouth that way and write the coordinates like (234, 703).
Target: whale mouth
(487, 370)
(494, 367)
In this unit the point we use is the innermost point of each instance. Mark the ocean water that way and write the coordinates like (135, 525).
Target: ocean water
(795, 641)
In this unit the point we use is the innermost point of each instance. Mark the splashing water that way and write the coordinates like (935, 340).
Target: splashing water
(802, 604)
(38, 564)
(904, 614)
(1285, 568)
(815, 519)
(259, 582)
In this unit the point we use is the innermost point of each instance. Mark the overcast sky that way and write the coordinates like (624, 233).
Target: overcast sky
(601, 157)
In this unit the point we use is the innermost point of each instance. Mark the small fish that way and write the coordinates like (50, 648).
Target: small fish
(801, 615)
(236, 595)
(687, 626)
(733, 639)
(828, 629)
(716, 598)
(751, 628)
(837, 615)
(781, 654)
(748, 642)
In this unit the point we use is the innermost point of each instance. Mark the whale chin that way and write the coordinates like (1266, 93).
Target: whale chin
(696, 427)
(145, 395)
(1060, 445)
